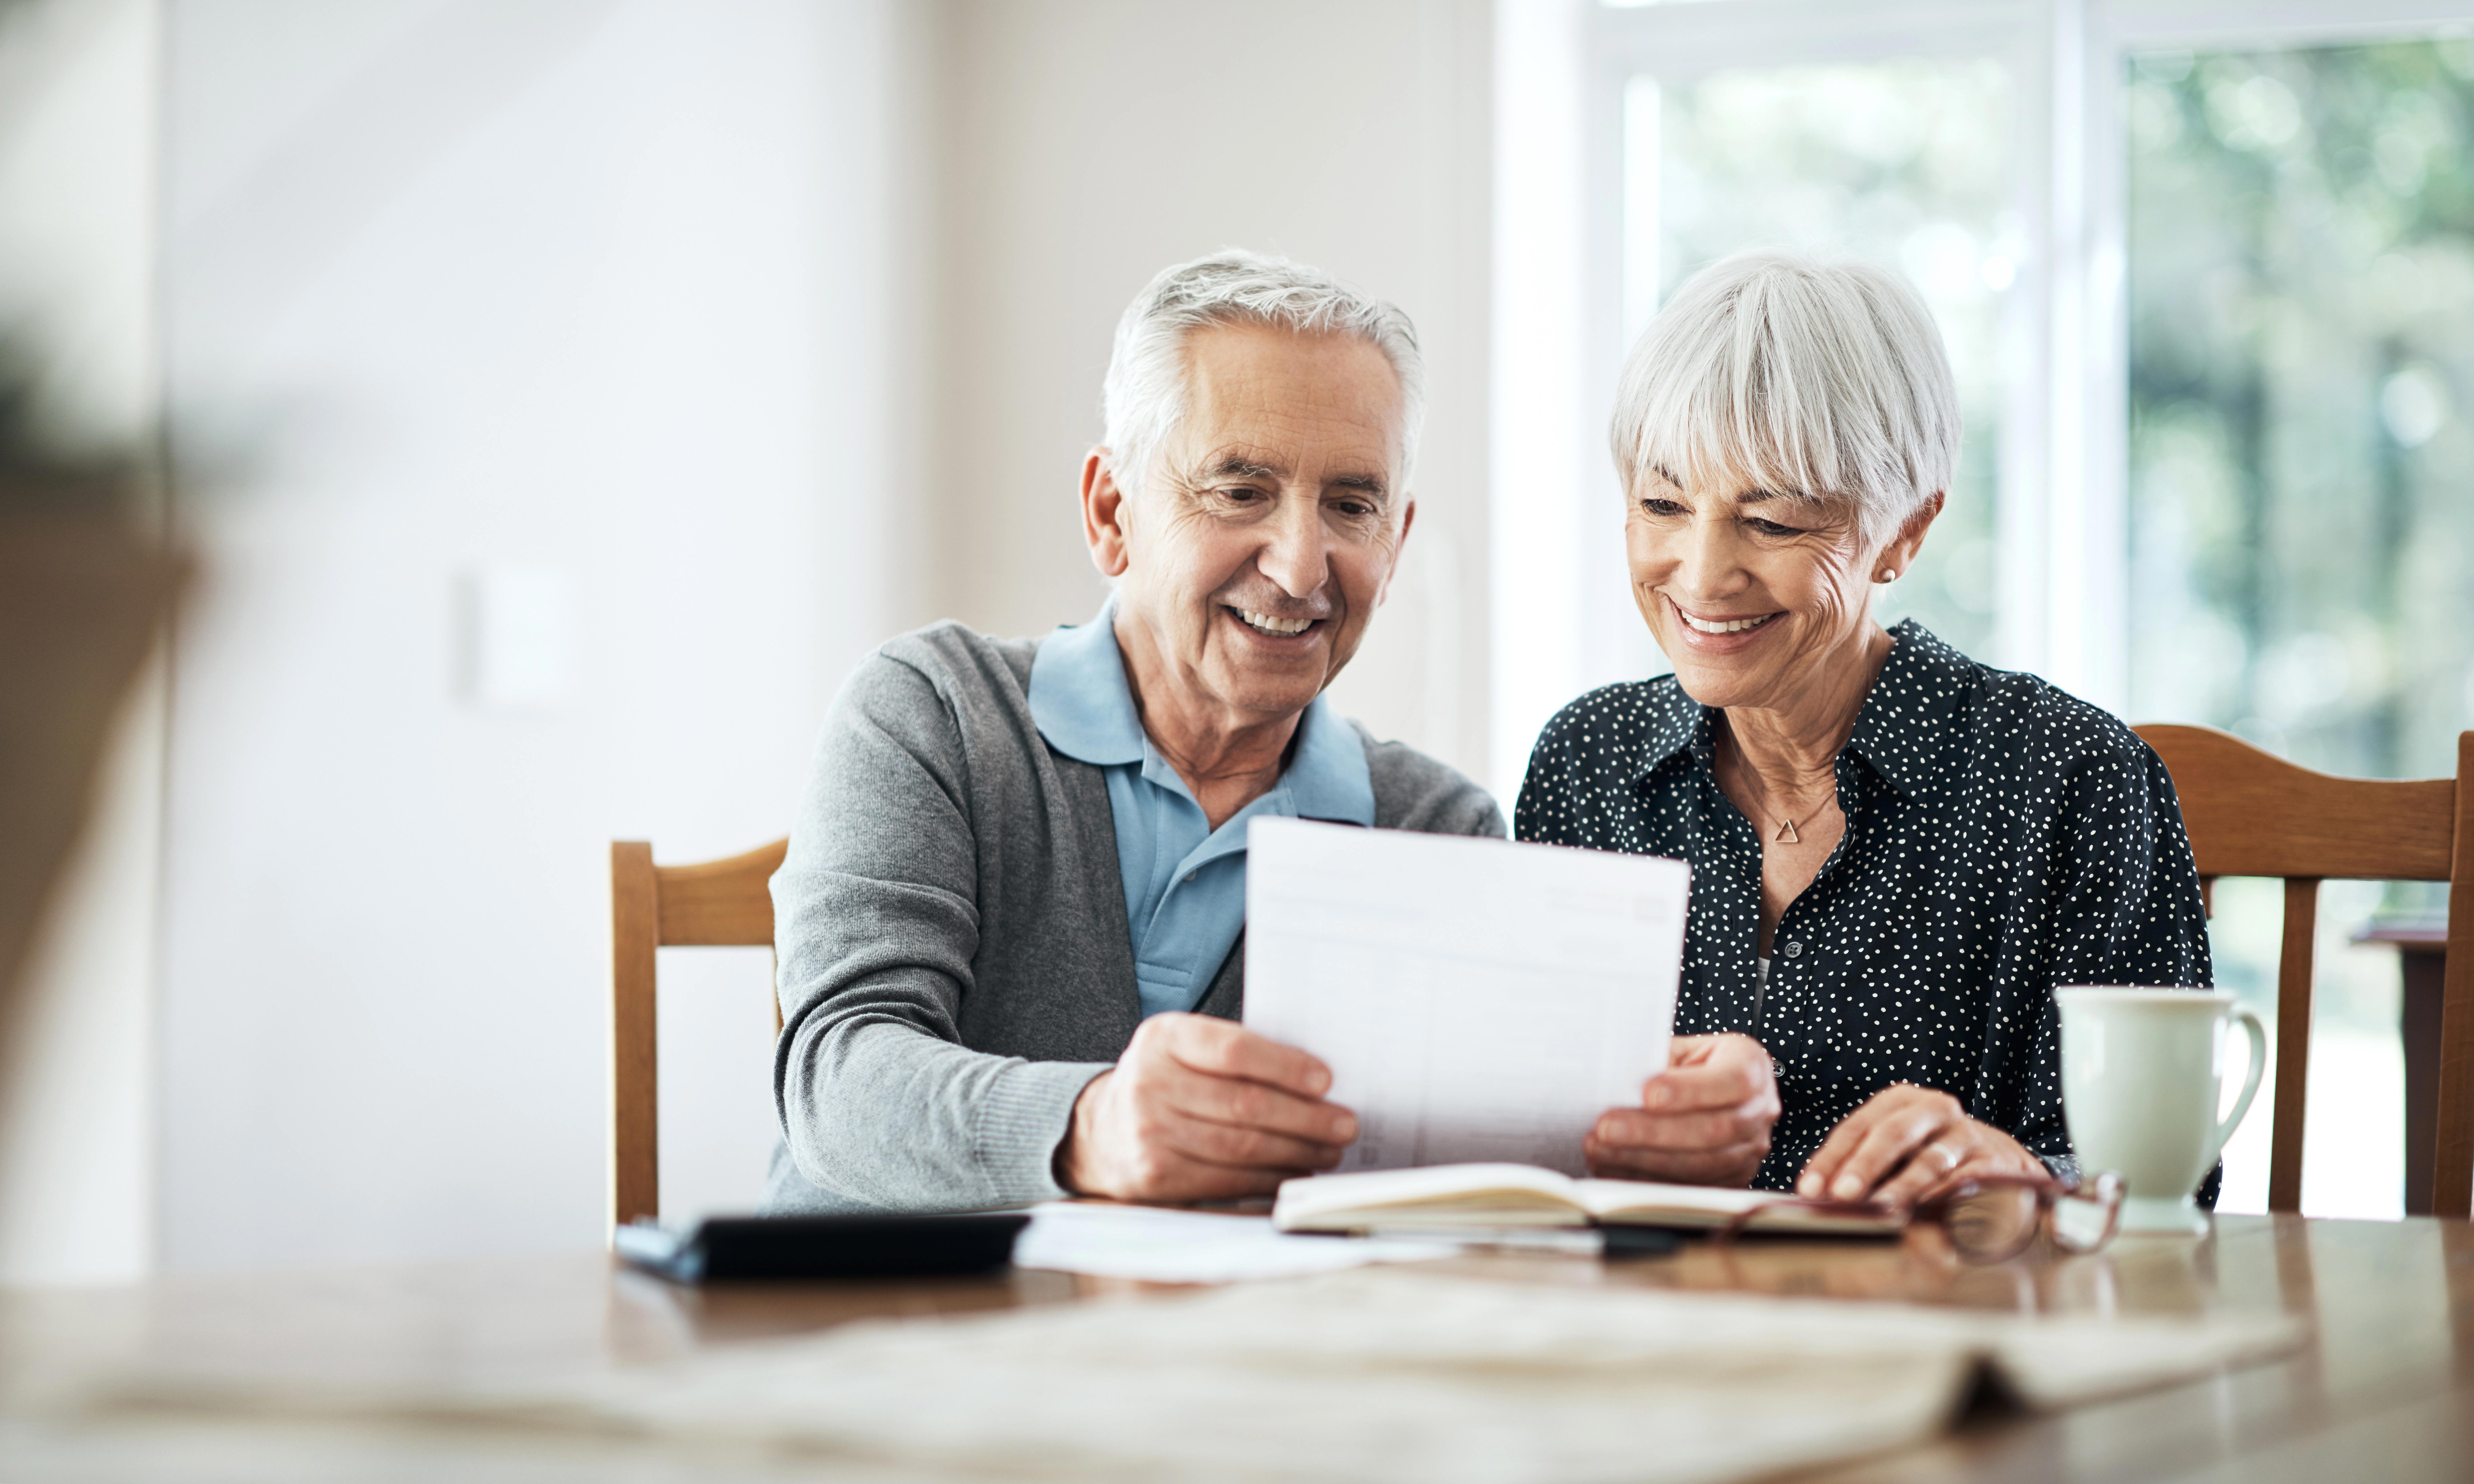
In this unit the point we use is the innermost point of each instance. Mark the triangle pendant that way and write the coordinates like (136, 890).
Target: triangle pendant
(1786, 835)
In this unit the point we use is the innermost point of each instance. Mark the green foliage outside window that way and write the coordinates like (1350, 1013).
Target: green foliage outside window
(2302, 288)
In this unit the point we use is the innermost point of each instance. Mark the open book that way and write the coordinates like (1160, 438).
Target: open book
(1520, 1195)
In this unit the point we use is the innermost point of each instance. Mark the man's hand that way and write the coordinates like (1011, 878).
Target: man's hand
(1902, 1143)
(1201, 1108)
(1704, 1121)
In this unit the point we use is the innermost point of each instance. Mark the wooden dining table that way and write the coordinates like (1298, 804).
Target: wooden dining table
(2383, 1389)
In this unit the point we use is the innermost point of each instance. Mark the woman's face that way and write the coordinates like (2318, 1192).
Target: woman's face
(1754, 595)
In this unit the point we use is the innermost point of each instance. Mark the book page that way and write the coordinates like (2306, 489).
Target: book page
(1476, 1000)
(1611, 1197)
(1650, 1203)
(1306, 1201)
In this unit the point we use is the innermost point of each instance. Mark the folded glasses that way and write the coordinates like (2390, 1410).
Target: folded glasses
(1988, 1218)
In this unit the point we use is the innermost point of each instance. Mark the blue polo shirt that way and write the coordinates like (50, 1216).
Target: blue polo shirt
(1185, 882)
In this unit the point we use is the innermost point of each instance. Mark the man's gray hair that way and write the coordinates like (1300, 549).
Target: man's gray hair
(1145, 393)
(1823, 381)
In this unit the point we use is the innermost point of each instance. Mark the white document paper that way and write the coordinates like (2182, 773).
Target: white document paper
(1476, 1000)
(1192, 1246)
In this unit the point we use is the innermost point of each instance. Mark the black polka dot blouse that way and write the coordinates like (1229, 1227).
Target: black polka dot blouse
(2002, 839)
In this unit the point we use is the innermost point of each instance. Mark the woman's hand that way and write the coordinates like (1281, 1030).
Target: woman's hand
(1902, 1143)
(1704, 1121)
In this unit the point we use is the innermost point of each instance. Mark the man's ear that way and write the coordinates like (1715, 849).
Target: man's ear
(1103, 513)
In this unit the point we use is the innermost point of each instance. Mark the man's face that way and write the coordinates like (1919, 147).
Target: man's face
(1265, 532)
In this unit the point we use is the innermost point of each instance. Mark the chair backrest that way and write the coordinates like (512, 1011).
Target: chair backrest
(712, 903)
(2252, 813)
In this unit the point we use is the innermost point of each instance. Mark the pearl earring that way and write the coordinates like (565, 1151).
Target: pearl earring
(1889, 574)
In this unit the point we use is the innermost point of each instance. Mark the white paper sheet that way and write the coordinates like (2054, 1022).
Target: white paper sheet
(1476, 1000)
(1192, 1246)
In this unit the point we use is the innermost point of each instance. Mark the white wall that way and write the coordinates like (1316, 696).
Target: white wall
(1089, 144)
(78, 140)
(588, 297)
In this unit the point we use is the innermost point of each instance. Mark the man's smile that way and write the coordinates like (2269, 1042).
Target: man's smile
(1272, 626)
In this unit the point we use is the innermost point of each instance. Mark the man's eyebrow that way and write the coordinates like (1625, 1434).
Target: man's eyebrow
(1371, 484)
(1238, 467)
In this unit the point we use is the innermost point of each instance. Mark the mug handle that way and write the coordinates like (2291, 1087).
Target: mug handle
(2250, 1085)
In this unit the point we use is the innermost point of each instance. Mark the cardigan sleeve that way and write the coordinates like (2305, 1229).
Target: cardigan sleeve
(876, 927)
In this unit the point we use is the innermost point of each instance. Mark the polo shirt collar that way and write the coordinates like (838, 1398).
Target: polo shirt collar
(1327, 777)
(1081, 704)
(1079, 696)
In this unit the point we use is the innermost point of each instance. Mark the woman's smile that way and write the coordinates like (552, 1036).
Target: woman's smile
(1721, 633)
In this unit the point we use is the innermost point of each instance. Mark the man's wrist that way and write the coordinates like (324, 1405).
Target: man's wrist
(1064, 1165)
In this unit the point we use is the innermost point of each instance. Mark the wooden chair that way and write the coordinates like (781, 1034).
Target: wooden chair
(2253, 814)
(714, 902)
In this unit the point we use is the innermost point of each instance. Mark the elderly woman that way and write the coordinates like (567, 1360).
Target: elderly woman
(1897, 852)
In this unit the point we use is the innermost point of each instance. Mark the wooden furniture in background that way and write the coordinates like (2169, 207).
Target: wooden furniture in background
(2422, 966)
(711, 904)
(2252, 813)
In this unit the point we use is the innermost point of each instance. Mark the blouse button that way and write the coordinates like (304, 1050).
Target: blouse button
(1793, 949)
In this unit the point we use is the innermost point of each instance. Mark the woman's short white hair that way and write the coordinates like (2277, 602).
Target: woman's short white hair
(1824, 382)
(1145, 392)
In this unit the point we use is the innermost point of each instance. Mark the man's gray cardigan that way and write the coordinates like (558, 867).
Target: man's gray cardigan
(955, 962)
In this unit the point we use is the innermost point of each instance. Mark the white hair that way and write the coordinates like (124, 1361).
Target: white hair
(1821, 381)
(1145, 393)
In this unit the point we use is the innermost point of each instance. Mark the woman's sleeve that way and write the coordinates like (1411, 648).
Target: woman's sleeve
(2124, 907)
(876, 925)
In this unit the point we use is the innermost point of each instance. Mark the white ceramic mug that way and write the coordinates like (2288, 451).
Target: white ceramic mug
(2141, 1071)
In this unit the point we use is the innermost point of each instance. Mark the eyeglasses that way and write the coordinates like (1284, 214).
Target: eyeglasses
(1988, 1218)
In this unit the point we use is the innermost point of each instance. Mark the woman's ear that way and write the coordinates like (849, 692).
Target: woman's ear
(1900, 553)
(1103, 513)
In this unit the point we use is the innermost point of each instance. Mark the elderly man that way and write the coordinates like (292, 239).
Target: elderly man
(1009, 922)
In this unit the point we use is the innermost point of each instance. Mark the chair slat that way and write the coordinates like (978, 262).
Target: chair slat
(2452, 1184)
(2293, 968)
(2253, 814)
(635, 1082)
(724, 903)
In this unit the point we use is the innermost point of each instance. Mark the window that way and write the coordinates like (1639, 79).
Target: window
(2301, 311)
